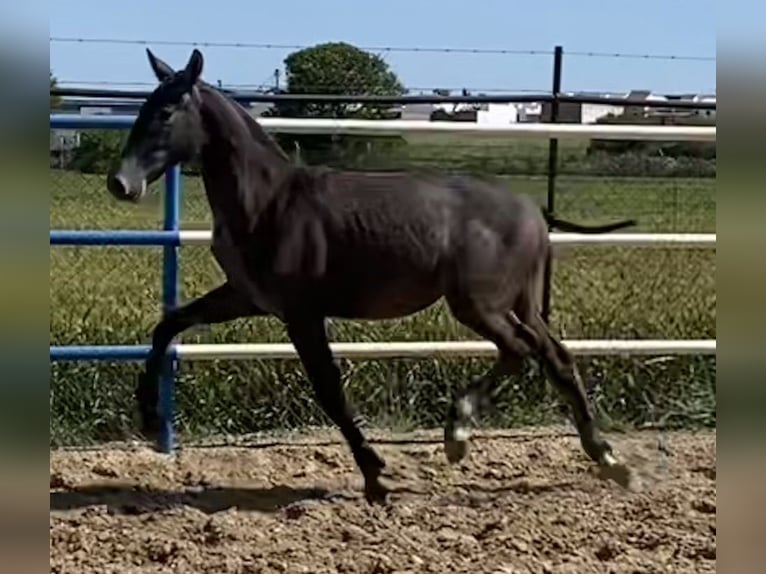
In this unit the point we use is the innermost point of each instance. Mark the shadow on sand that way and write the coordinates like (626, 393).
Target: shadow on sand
(130, 499)
(133, 500)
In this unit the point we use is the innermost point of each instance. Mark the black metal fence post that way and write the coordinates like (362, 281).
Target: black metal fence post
(553, 155)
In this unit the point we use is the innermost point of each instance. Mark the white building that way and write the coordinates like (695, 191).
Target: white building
(708, 99)
(529, 112)
(497, 114)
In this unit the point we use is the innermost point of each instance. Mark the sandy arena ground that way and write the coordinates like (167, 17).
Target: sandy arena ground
(520, 502)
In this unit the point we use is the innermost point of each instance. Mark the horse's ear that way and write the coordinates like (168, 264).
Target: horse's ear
(161, 69)
(193, 68)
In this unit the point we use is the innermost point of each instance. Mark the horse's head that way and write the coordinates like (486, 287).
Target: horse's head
(168, 130)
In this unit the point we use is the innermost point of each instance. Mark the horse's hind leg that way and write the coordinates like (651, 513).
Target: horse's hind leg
(468, 403)
(217, 306)
(309, 337)
(561, 368)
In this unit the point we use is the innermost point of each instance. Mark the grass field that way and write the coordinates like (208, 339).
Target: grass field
(111, 295)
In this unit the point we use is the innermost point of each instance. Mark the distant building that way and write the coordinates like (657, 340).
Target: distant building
(707, 99)
(529, 112)
(100, 106)
(568, 113)
(577, 113)
(497, 114)
(418, 112)
(588, 113)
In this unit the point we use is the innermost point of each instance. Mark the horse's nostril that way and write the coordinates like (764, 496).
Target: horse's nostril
(116, 186)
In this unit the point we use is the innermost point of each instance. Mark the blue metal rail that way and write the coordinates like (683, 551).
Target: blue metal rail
(78, 122)
(103, 352)
(116, 237)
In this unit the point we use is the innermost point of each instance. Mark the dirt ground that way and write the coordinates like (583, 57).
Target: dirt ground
(520, 502)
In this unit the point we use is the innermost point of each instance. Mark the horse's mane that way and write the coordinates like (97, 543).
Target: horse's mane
(259, 134)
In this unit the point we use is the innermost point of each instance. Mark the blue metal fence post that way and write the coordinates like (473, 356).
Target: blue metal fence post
(169, 301)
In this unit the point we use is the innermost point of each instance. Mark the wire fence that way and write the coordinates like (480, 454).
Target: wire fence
(111, 295)
(408, 49)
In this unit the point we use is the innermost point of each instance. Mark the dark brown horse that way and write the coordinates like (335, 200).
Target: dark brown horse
(306, 243)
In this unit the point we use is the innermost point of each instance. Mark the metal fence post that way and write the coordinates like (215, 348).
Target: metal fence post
(169, 301)
(553, 155)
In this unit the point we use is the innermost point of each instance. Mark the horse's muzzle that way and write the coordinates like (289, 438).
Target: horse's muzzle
(122, 189)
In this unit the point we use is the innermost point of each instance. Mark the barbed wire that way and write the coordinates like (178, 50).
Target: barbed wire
(270, 86)
(382, 49)
(642, 56)
(261, 46)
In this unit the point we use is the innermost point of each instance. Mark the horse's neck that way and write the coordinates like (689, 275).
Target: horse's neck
(241, 166)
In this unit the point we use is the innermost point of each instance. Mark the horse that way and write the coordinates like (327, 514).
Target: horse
(306, 244)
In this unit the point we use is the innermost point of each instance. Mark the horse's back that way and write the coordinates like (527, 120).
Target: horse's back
(411, 219)
(411, 194)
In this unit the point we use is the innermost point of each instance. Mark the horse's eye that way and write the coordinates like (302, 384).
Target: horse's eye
(165, 114)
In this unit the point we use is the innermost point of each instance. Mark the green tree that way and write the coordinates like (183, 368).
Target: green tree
(341, 69)
(98, 150)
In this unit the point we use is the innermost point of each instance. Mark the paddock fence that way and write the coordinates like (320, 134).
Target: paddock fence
(172, 237)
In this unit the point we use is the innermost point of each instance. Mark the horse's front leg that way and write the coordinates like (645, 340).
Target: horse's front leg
(220, 305)
(309, 337)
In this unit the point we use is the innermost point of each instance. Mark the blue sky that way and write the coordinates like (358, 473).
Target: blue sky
(673, 27)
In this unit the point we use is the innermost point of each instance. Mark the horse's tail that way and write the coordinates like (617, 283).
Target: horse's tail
(576, 228)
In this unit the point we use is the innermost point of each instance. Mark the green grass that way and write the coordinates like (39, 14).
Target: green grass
(111, 295)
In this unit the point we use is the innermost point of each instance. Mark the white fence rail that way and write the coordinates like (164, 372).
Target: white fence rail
(429, 349)
(403, 127)
(519, 130)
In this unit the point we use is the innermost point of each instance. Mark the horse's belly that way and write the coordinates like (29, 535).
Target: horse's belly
(384, 298)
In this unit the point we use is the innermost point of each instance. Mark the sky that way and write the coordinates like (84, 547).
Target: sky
(669, 27)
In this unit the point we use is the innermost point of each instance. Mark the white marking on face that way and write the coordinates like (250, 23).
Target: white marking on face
(131, 177)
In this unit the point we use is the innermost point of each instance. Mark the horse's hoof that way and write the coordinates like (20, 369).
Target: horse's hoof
(150, 432)
(455, 450)
(146, 397)
(456, 441)
(375, 492)
(150, 422)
